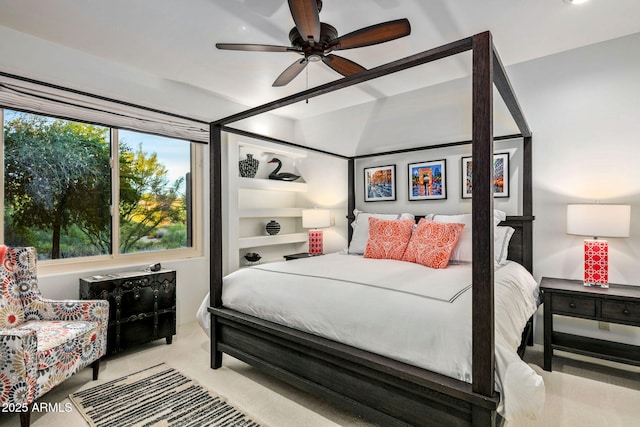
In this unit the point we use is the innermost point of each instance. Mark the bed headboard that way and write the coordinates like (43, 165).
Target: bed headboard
(521, 244)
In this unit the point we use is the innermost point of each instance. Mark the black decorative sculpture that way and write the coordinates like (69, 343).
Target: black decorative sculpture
(273, 227)
(252, 257)
(283, 176)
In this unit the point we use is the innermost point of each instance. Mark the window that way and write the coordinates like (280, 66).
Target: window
(62, 195)
(153, 202)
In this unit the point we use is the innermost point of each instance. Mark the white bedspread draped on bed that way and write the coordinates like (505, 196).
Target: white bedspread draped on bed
(397, 309)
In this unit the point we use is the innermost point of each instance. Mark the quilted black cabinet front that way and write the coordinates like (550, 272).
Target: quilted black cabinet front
(142, 306)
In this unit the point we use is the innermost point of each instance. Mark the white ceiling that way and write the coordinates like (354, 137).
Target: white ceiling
(175, 39)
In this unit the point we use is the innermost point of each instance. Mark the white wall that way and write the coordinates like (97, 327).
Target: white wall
(427, 116)
(326, 177)
(454, 203)
(583, 107)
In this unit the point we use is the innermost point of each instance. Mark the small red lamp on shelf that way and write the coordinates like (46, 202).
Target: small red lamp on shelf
(314, 219)
(598, 220)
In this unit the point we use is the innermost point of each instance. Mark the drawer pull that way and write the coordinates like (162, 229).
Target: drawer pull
(626, 311)
(572, 304)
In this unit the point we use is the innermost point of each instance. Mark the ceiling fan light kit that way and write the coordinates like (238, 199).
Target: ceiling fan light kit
(316, 40)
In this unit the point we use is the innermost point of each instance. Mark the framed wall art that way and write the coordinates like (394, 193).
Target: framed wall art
(427, 180)
(380, 183)
(500, 176)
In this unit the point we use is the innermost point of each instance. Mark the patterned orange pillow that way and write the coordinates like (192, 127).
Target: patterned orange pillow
(432, 243)
(388, 238)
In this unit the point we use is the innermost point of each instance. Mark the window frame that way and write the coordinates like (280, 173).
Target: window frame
(117, 259)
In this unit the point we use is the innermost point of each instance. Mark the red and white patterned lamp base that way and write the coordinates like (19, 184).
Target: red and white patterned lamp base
(596, 263)
(315, 242)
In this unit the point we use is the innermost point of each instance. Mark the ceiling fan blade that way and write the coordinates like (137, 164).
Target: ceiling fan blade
(290, 73)
(256, 47)
(342, 65)
(374, 34)
(307, 18)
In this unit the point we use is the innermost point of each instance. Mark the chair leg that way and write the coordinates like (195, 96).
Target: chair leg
(25, 417)
(96, 369)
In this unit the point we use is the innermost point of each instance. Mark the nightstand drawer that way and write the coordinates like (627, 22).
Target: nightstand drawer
(627, 312)
(573, 305)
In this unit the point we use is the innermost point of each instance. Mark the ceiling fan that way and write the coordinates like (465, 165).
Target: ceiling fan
(315, 41)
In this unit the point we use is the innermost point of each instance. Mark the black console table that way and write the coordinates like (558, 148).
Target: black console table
(142, 306)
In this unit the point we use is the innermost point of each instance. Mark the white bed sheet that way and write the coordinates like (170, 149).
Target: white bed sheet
(401, 310)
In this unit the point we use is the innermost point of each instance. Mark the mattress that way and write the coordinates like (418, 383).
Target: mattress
(404, 311)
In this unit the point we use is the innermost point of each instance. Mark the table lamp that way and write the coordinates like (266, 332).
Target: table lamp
(599, 221)
(315, 218)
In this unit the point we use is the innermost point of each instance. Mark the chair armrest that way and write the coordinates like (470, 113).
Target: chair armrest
(19, 369)
(89, 310)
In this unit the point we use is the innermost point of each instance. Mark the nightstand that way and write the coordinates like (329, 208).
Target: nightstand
(616, 304)
(298, 256)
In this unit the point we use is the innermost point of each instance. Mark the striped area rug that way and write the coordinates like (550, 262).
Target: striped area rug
(156, 396)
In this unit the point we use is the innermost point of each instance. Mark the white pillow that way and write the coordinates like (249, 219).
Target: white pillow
(406, 216)
(366, 216)
(361, 230)
(463, 250)
(501, 238)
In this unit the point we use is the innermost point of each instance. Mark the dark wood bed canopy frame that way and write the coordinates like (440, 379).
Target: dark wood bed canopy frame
(384, 390)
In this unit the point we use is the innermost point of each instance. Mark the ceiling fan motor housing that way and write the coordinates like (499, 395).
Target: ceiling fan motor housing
(328, 33)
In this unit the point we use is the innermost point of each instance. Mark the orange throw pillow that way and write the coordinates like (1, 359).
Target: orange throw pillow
(388, 238)
(432, 243)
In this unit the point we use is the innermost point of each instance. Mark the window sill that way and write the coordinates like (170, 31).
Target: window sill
(110, 262)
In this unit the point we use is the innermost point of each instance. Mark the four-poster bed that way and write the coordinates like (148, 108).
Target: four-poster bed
(378, 387)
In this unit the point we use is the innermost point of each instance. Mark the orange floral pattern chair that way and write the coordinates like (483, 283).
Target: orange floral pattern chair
(42, 341)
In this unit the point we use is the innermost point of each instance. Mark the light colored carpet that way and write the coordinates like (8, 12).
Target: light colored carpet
(576, 401)
(585, 392)
(578, 393)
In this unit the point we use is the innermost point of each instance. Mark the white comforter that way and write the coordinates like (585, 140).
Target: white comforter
(397, 309)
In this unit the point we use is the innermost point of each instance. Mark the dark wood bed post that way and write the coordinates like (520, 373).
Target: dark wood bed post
(501, 80)
(483, 376)
(527, 204)
(215, 236)
(351, 197)
(487, 71)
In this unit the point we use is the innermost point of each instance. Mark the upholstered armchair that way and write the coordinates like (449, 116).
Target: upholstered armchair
(42, 341)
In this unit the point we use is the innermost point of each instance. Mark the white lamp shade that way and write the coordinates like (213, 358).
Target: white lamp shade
(315, 218)
(599, 220)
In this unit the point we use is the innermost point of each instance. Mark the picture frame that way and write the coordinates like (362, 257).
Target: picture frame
(500, 176)
(380, 183)
(428, 180)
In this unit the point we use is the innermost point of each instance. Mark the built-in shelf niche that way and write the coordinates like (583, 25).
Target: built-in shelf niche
(253, 202)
